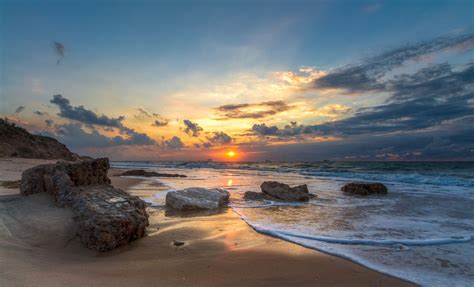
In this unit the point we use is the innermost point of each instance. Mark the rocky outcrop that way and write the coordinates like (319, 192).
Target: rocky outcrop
(197, 198)
(144, 173)
(364, 188)
(105, 217)
(18, 142)
(284, 192)
(59, 179)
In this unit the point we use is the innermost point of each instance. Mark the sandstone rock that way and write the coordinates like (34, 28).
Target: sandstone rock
(364, 188)
(58, 179)
(144, 173)
(285, 192)
(105, 217)
(197, 198)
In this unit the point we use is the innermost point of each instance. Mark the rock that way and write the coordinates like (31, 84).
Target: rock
(59, 178)
(252, 195)
(105, 217)
(178, 243)
(11, 184)
(285, 192)
(144, 173)
(197, 198)
(364, 188)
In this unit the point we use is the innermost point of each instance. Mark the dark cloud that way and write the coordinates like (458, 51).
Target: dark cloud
(192, 128)
(59, 50)
(89, 118)
(174, 143)
(160, 123)
(367, 76)
(40, 113)
(19, 109)
(75, 136)
(252, 111)
(83, 115)
(220, 138)
(49, 123)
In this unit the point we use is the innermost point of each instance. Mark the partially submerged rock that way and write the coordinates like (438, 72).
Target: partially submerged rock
(105, 217)
(144, 173)
(364, 188)
(197, 198)
(283, 191)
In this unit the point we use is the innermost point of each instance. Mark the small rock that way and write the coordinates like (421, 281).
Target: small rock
(178, 243)
(364, 188)
(285, 192)
(197, 198)
(144, 173)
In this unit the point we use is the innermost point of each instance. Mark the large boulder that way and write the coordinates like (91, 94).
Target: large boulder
(58, 179)
(197, 198)
(364, 188)
(105, 217)
(284, 192)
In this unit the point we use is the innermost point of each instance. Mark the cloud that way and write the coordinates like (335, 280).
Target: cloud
(192, 128)
(49, 123)
(40, 113)
(174, 143)
(333, 110)
(59, 50)
(219, 138)
(160, 123)
(252, 111)
(83, 115)
(19, 109)
(75, 136)
(367, 76)
(89, 118)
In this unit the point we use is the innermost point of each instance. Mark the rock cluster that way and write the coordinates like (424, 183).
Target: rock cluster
(197, 198)
(273, 190)
(364, 188)
(144, 173)
(105, 217)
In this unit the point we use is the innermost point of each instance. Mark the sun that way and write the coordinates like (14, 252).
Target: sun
(231, 153)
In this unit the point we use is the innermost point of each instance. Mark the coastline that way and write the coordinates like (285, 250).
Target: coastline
(220, 249)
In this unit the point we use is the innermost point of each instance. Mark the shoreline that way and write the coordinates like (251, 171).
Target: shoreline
(220, 249)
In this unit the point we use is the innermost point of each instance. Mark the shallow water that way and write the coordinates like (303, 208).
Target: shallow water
(422, 231)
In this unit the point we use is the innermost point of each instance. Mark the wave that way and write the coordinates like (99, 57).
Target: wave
(441, 174)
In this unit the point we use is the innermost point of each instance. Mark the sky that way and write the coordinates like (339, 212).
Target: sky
(269, 80)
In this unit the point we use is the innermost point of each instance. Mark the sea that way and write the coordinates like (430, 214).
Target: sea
(422, 231)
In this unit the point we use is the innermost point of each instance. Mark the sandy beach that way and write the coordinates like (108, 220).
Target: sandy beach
(38, 248)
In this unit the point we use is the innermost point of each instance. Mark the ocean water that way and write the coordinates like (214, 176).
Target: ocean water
(422, 231)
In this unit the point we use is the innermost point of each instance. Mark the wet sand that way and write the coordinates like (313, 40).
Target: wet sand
(38, 248)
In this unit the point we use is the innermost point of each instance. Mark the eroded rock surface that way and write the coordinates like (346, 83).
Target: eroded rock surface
(197, 198)
(105, 217)
(364, 188)
(283, 191)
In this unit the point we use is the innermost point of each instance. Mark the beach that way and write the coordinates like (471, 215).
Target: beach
(37, 248)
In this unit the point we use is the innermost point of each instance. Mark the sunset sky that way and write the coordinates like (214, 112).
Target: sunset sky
(269, 80)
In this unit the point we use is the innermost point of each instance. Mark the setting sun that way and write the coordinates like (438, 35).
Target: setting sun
(231, 153)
